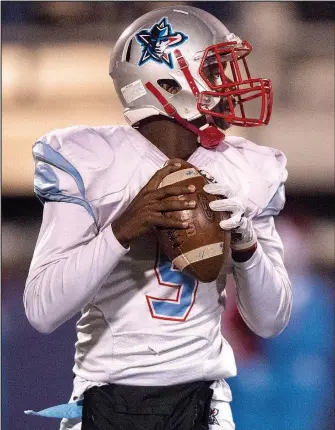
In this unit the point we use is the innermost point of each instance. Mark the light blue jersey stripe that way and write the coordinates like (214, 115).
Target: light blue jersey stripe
(46, 183)
(68, 410)
(44, 152)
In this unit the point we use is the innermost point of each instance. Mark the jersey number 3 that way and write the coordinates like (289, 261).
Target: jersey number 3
(176, 304)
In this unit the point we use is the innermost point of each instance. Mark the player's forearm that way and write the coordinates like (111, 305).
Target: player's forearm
(65, 286)
(264, 295)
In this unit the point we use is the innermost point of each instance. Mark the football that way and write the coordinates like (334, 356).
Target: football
(202, 248)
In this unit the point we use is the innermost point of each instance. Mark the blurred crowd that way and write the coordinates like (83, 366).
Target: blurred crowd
(284, 383)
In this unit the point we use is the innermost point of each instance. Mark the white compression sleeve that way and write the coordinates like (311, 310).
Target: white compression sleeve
(264, 296)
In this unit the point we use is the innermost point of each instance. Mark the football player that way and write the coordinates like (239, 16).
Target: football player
(150, 353)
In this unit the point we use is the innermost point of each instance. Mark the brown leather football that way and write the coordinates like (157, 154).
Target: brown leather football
(202, 248)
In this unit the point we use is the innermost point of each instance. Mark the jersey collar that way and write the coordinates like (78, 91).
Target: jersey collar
(147, 149)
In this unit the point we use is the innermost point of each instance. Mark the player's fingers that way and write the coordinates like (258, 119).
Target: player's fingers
(229, 205)
(160, 220)
(174, 161)
(232, 222)
(157, 178)
(173, 190)
(220, 190)
(166, 205)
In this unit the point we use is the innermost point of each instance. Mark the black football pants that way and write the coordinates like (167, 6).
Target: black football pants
(122, 407)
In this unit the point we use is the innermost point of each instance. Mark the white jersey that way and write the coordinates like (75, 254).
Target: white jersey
(143, 322)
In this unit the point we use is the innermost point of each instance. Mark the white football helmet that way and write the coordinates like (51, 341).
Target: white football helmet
(180, 46)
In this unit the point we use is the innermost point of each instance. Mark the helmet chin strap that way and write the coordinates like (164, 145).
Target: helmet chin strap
(208, 137)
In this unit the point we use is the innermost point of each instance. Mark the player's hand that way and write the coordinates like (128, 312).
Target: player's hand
(148, 207)
(243, 238)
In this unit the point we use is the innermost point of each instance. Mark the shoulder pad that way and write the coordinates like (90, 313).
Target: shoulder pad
(267, 174)
(83, 163)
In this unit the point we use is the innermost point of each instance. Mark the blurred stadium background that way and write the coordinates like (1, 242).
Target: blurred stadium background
(55, 74)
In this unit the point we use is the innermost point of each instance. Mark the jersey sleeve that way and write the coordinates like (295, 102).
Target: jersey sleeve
(264, 294)
(73, 257)
(277, 202)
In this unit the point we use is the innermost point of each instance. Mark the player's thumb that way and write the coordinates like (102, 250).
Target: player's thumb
(170, 166)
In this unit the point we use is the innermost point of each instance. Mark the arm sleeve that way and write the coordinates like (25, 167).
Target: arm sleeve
(73, 256)
(264, 296)
(71, 262)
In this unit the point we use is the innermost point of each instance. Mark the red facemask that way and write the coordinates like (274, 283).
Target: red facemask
(234, 96)
(247, 101)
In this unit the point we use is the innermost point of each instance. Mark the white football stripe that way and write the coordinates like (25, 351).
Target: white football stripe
(178, 176)
(198, 254)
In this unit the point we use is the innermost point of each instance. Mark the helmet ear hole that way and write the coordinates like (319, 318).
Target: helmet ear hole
(128, 51)
(169, 85)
